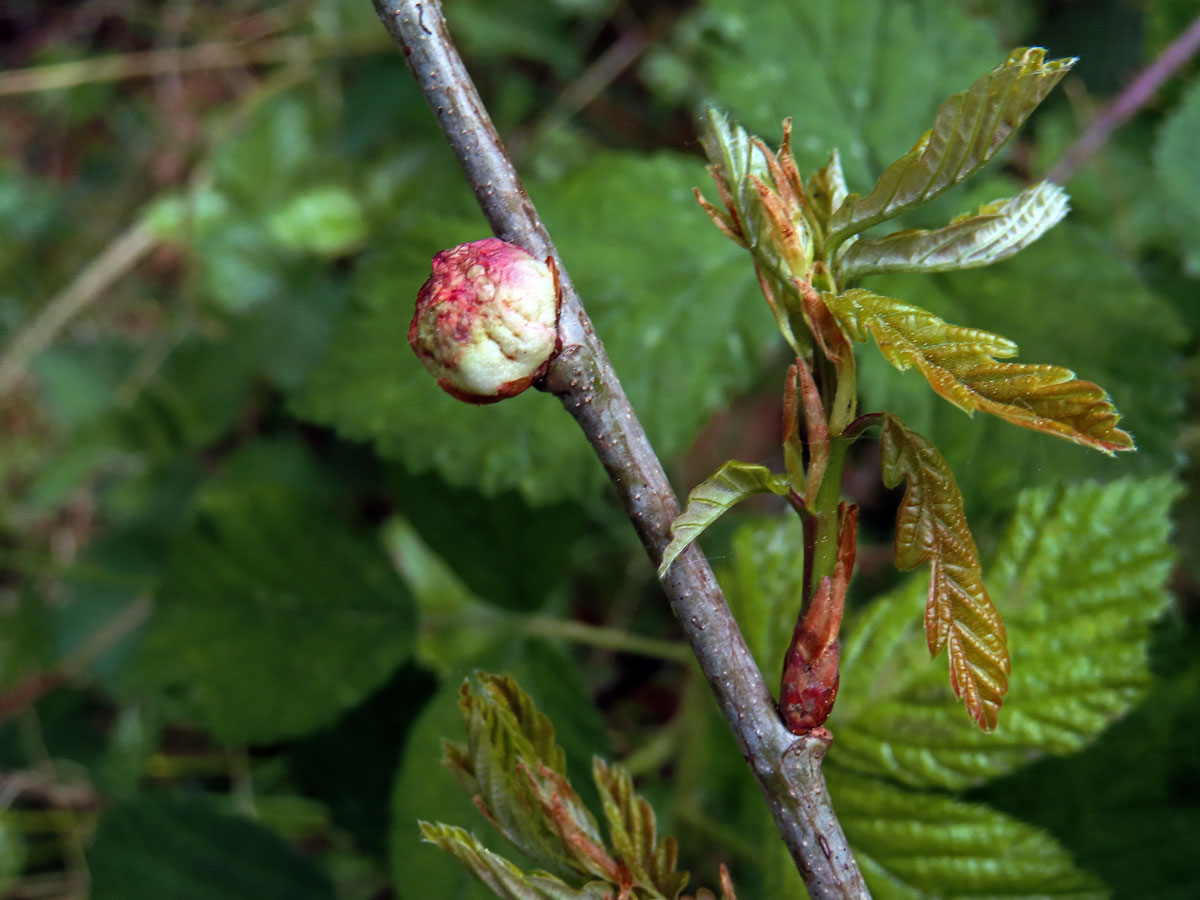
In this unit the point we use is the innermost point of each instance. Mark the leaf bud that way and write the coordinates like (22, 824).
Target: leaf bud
(486, 322)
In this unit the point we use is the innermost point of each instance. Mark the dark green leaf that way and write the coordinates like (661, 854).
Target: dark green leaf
(274, 617)
(1079, 579)
(154, 847)
(655, 276)
(764, 584)
(856, 76)
(1175, 166)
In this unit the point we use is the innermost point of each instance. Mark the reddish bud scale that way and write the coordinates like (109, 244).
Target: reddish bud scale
(810, 668)
(486, 322)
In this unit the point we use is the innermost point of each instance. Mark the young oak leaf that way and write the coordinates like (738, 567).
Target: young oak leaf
(960, 364)
(632, 830)
(996, 232)
(967, 132)
(713, 497)
(931, 527)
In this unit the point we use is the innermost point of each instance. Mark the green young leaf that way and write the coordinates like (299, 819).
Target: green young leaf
(274, 617)
(1081, 576)
(996, 232)
(931, 527)
(968, 131)
(158, 846)
(503, 878)
(743, 176)
(513, 764)
(631, 828)
(913, 845)
(715, 496)
(960, 364)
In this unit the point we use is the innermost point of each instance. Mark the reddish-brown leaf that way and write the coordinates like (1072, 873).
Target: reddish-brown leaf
(931, 527)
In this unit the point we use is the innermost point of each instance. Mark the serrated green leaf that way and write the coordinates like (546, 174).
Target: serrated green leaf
(996, 232)
(715, 496)
(913, 845)
(654, 276)
(967, 132)
(632, 831)
(273, 617)
(158, 846)
(1080, 577)
(960, 364)
(501, 876)
(959, 615)
(809, 59)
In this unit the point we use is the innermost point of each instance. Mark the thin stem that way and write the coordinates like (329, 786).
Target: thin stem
(786, 767)
(1139, 92)
(176, 60)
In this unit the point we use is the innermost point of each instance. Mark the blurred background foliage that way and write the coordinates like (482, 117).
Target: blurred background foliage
(248, 551)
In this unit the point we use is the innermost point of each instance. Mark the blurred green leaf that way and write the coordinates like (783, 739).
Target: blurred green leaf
(273, 616)
(157, 846)
(764, 584)
(912, 845)
(858, 77)
(1079, 579)
(1175, 165)
(656, 278)
(12, 852)
(325, 220)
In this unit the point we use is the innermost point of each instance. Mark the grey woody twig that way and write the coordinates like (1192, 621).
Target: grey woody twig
(786, 767)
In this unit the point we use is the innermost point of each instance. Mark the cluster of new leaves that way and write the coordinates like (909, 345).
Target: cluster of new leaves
(807, 246)
(515, 772)
(1082, 573)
